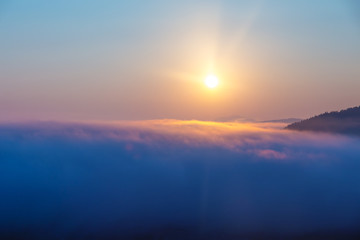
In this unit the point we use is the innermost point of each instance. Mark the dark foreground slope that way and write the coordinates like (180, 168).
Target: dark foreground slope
(344, 122)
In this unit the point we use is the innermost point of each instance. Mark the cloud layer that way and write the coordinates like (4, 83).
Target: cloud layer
(179, 179)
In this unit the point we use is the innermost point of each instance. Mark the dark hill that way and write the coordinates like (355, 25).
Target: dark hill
(344, 122)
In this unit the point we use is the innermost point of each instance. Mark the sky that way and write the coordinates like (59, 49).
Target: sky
(138, 60)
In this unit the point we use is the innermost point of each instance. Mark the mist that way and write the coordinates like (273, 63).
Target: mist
(172, 179)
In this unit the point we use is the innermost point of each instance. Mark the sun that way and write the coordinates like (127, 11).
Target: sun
(211, 81)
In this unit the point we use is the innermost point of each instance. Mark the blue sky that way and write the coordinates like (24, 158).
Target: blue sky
(110, 60)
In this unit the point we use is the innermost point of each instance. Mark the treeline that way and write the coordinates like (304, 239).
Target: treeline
(345, 121)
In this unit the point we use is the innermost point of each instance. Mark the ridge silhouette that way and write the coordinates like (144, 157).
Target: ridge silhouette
(344, 122)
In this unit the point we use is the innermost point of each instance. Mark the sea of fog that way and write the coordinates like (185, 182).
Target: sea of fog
(170, 179)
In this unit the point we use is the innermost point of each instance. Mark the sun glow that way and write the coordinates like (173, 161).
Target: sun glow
(211, 81)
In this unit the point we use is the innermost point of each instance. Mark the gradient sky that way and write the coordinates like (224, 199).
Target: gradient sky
(127, 60)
